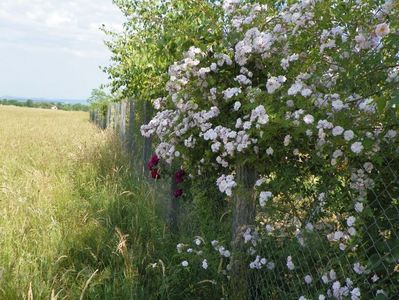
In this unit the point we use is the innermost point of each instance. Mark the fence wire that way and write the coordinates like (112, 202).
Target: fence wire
(301, 246)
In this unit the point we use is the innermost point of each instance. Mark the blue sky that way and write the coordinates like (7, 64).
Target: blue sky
(53, 48)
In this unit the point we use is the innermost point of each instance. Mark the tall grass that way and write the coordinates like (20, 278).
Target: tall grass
(75, 221)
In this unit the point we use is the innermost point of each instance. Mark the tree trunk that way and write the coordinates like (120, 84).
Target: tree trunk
(244, 212)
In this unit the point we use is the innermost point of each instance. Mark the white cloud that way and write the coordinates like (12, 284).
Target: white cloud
(53, 48)
(59, 24)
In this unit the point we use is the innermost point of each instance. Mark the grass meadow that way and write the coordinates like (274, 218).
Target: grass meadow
(74, 222)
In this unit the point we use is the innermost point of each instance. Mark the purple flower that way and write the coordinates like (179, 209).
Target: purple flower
(178, 193)
(155, 174)
(179, 176)
(153, 162)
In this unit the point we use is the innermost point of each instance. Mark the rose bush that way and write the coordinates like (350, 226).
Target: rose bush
(306, 93)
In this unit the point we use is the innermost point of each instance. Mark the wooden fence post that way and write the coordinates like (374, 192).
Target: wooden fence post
(244, 212)
(122, 126)
(132, 125)
(103, 120)
(174, 205)
(108, 118)
(147, 112)
(96, 117)
(114, 116)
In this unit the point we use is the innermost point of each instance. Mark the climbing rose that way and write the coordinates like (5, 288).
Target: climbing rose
(155, 174)
(178, 193)
(179, 176)
(153, 162)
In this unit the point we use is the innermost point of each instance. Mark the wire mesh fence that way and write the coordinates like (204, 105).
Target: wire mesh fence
(329, 234)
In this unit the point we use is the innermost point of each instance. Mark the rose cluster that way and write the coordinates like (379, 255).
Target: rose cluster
(152, 167)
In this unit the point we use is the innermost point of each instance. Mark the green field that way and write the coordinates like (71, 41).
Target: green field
(70, 211)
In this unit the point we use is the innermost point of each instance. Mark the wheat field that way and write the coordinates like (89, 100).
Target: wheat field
(36, 191)
(62, 194)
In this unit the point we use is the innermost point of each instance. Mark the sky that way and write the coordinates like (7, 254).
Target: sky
(53, 48)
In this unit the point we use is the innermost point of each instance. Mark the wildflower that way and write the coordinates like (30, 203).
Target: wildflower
(178, 193)
(226, 184)
(226, 253)
(263, 197)
(336, 288)
(306, 92)
(337, 153)
(357, 147)
(355, 294)
(361, 41)
(309, 227)
(214, 243)
(290, 103)
(332, 274)
(155, 174)
(237, 105)
(290, 264)
(337, 105)
(380, 292)
(352, 231)
(390, 134)
(295, 88)
(382, 29)
(269, 151)
(287, 140)
(359, 207)
(197, 242)
(231, 92)
(358, 268)
(263, 261)
(308, 119)
(324, 278)
(184, 263)
(368, 166)
(337, 130)
(204, 264)
(153, 162)
(269, 228)
(271, 265)
(179, 176)
(260, 181)
(179, 247)
(308, 279)
(350, 221)
(348, 135)
(274, 83)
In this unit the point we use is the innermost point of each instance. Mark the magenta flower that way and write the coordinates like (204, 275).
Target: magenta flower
(153, 162)
(155, 174)
(178, 193)
(179, 176)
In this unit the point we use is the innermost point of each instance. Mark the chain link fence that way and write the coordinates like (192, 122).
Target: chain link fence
(331, 234)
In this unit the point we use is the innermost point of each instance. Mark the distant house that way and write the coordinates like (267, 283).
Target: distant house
(54, 107)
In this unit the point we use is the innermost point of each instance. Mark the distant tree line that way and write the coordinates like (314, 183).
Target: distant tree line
(46, 105)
